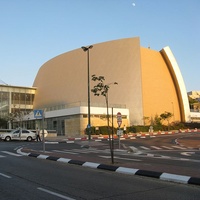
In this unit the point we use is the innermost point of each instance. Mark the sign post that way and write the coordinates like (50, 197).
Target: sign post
(39, 114)
(119, 121)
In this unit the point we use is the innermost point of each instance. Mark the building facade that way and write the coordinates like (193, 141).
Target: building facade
(16, 103)
(149, 82)
(194, 100)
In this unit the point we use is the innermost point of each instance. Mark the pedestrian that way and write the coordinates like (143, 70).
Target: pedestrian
(124, 129)
(38, 135)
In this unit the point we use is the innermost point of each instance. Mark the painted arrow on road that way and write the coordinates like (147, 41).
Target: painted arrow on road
(187, 153)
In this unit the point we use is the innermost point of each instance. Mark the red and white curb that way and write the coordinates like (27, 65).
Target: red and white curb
(124, 137)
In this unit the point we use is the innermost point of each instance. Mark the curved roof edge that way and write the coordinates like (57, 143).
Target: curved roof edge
(179, 83)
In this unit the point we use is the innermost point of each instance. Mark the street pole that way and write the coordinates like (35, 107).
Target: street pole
(88, 76)
(112, 134)
(110, 142)
(43, 140)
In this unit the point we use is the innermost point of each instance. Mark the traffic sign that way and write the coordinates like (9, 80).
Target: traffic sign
(119, 119)
(38, 114)
(119, 132)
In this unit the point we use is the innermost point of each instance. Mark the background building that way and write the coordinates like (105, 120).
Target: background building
(16, 103)
(194, 101)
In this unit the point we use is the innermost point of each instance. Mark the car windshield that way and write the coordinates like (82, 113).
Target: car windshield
(15, 131)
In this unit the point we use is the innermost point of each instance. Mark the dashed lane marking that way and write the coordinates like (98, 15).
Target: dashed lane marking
(4, 175)
(55, 194)
(67, 152)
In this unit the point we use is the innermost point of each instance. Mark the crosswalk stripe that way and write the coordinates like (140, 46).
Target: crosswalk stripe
(156, 147)
(178, 147)
(144, 148)
(163, 147)
(10, 153)
(167, 147)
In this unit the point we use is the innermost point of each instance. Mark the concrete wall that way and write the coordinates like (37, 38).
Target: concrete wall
(63, 79)
(146, 84)
(159, 92)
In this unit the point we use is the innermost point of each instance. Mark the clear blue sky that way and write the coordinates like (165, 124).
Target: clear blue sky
(34, 31)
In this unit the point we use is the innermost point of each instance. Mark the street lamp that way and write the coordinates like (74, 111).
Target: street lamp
(173, 110)
(87, 49)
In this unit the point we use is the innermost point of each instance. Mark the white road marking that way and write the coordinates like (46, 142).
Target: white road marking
(158, 148)
(144, 148)
(10, 153)
(127, 159)
(69, 142)
(5, 175)
(68, 152)
(55, 194)
(167, 147)
(178, 147)
(187, 153)
(2, 156)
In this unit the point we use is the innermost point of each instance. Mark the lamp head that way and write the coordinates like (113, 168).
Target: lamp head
(84, 48)
(87, 48)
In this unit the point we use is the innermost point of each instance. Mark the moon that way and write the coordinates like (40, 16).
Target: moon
(133, 4)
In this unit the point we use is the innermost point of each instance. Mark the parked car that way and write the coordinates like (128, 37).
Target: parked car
(19, 134)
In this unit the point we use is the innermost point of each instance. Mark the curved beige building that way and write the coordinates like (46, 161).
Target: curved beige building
(149, 81)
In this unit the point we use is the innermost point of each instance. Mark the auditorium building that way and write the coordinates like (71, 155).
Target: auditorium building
(149, 83)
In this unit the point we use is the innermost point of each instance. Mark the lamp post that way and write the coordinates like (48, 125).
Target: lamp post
(87, 49)
(173, 110)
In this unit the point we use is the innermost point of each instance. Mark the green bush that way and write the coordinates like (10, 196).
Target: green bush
(136, 129)
(103, 130)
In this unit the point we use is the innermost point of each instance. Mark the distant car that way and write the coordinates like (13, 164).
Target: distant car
(19, 134)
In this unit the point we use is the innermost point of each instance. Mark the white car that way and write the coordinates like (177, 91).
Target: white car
(19, 134)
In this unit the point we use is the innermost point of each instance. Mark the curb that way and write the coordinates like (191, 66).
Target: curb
(124, 170)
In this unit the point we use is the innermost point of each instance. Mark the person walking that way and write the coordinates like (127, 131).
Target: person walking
(38, 135)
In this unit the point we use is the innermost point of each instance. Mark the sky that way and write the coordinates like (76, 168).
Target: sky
(35, 31)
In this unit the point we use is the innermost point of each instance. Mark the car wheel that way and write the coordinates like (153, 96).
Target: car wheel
(29, 139)
(8, 138)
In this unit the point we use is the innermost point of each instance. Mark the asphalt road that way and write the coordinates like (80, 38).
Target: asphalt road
(160, 153)
(23, 177)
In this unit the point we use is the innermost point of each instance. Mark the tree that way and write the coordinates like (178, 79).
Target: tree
(102, 89)
(157, 120)
(166, 116)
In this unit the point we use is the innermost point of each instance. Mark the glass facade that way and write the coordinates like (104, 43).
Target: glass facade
(21, 102)
(4, 104)
(15, 104)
